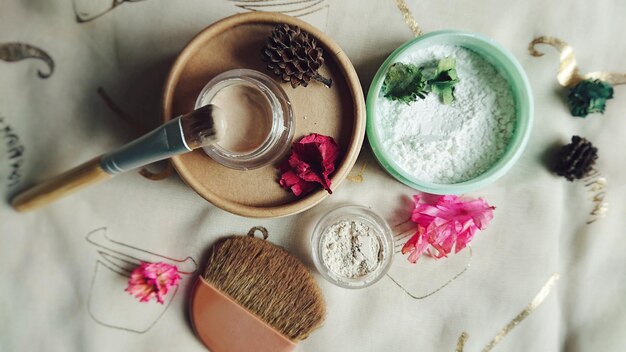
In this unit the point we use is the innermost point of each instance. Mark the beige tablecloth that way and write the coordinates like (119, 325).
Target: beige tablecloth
(61, 286)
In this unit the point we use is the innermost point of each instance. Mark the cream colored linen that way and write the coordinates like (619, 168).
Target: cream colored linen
(60, 290)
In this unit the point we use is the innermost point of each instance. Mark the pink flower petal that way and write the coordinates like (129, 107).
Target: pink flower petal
(298, 186)
(152, 280)
(447, 223)
(311, 162)
(416, 245)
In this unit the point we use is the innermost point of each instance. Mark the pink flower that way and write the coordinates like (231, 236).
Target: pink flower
(449, 222)
(310, 164)
(152, 280)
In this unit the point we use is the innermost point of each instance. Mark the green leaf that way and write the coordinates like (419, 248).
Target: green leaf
(446, 64)
(589, 96)
(404, 82)
(446, 96)
(444, 79)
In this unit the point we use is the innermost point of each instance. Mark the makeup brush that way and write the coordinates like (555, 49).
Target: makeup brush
(254, 296)
(183, 134)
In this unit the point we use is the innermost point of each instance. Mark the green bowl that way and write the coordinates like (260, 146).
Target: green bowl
(505, 63)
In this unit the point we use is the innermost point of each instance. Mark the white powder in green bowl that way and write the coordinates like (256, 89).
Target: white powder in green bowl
(453, 143)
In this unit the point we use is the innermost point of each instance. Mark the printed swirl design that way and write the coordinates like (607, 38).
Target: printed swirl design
(89, 10)
(296, 8)
(11, 52)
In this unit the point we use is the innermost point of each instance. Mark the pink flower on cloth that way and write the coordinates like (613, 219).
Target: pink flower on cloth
(152, 280)
(310, 164)
(449, 222)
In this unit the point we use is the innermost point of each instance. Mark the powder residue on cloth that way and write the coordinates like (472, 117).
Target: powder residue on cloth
(450, 143)
(351, 249)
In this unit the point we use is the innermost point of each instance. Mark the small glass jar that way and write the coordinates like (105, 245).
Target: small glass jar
(281, 121)
(377, 226)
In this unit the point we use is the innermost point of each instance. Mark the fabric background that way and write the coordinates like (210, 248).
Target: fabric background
(55, 292)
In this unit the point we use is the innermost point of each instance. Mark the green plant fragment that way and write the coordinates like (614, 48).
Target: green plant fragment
(405, 83)
(589, 96)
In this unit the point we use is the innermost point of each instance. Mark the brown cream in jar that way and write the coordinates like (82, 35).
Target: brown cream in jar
(248, 118)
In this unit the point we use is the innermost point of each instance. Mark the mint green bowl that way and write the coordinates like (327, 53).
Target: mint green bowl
(505, 63)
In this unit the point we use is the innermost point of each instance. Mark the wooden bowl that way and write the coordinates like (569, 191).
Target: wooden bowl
(339, 112)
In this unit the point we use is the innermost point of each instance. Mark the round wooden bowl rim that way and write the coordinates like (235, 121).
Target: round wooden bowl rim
(352, 80)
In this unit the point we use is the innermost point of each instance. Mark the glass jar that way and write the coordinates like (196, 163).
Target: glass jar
(279, 117)
(377, 227)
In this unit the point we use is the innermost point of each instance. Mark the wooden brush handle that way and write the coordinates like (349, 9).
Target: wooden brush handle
(60, 186)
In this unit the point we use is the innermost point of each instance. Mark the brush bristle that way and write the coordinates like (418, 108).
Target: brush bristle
(203, 126)
(269, 282)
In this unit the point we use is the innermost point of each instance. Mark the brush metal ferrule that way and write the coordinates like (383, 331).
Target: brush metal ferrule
(162, 143)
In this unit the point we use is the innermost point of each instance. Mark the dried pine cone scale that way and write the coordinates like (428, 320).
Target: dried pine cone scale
(576, 159)
(293, 56)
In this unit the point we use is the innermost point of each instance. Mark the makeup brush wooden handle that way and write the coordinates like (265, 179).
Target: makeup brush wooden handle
(60, 186)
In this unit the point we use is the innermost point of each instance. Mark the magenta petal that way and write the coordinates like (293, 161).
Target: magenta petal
(464, 238)
(448, 243)
(420, 247)
(297, 185)
(312, 161)
(152, 280)
(449, 223)
(416, 245)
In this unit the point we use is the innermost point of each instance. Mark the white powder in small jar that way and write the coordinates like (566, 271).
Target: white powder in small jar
(452, 143)
(352, 249)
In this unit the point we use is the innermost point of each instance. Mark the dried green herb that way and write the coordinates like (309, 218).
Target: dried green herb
(407, 82)
(589, 96)
(444, 80)
(404, 82)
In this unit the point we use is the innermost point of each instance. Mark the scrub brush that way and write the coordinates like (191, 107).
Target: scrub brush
(254, 296)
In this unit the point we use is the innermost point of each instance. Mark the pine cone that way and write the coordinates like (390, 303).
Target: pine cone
(576, 160)
(294, 56)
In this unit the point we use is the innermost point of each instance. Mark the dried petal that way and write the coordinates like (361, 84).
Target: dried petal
(312, 160)
(152, 280)
(298, 186)
(450, 222)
